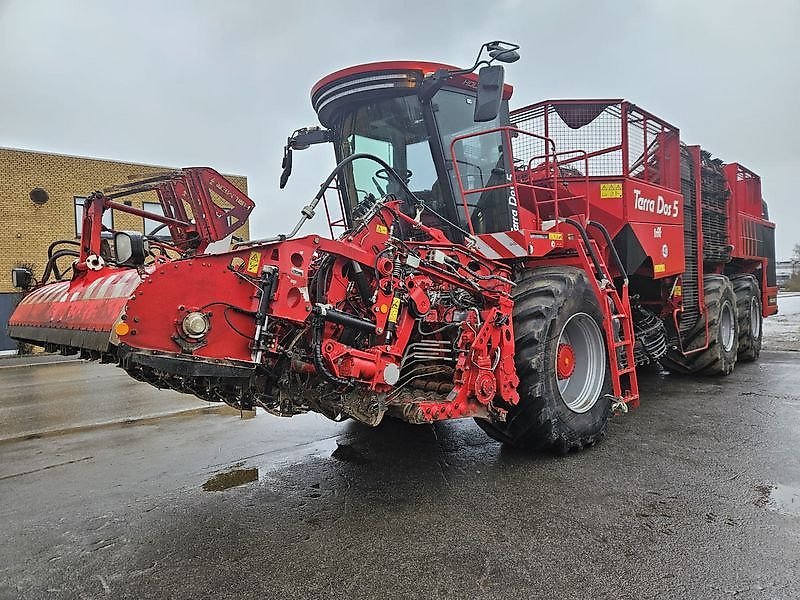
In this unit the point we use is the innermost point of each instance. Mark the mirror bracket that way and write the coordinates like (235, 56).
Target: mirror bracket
(500, 51)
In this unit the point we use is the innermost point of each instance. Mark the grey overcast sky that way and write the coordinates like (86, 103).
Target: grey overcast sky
(219, 83)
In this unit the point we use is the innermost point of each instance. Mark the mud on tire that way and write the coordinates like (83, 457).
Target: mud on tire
(748, 304)
(547, 302)
(720, 356)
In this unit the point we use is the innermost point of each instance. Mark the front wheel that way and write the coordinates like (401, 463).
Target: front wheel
(562, 363)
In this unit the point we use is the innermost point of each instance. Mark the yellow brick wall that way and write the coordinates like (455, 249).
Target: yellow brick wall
(26, 230)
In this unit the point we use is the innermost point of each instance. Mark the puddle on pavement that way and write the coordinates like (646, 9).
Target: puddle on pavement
(238, 475)
(228, 479)
(783, 499)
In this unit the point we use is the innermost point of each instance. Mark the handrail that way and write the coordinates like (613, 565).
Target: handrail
(556, 173)
(611, 248)
(511, 182)
(523, 179)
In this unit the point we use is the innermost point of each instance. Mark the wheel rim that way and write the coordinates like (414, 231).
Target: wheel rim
(755, 318)
(726, 329)
(581, 384)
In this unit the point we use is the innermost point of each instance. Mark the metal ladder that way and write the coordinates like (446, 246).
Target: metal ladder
(618, 325)
(623, 365)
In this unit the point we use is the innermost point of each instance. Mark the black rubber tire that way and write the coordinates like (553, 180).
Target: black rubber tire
(544, 300)
(714, 360)
(747, 290)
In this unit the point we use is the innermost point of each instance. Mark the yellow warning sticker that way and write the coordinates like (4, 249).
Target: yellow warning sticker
(253, 262)
(611, 190)
(382, 229)
(659, 268)
(555, 236)
(395, 310)
(678, 291)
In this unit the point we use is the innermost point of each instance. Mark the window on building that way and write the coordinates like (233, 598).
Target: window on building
(150, 225)
(108, 216)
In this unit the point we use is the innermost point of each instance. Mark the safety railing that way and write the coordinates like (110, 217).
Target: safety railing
(557, 167)
(539, 178)
(621, 139)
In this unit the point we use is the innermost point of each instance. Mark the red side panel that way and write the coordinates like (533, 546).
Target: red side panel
(664, 245)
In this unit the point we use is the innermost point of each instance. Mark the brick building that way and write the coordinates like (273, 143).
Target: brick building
(29, 225)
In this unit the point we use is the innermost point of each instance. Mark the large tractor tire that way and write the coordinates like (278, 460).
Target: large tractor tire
(562, 363)
(748, 303)
(719, 357)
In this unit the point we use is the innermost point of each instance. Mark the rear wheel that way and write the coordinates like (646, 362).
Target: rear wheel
(748, 303)
(719, 357)
(562, 363)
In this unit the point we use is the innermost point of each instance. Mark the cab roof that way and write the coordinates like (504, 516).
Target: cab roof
(422, 68)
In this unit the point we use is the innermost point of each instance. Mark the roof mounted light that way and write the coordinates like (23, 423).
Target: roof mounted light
(503, 51)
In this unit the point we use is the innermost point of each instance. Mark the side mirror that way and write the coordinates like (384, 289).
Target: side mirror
(490, 93)
(286, 165)
(21, 278)
(130, 248)
(300, 140)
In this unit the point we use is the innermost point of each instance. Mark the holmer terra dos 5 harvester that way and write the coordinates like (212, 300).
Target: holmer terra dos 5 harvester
(514, 266)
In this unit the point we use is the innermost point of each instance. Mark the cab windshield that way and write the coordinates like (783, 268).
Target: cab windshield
(394, 130)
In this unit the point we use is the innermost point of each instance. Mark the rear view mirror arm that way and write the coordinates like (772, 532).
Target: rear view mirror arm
(300, 140)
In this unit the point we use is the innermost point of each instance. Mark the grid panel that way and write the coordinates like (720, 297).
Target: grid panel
(598, 128)
(643, 148)
(590, 127)
(715, 210)
(691, 310)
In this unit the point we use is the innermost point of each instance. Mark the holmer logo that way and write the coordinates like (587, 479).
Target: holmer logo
(659, 206)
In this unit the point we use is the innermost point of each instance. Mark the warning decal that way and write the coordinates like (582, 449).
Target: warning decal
(611, 190)
(253, 262)
(395, 310)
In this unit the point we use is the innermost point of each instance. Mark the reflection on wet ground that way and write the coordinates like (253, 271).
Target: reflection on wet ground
(783, 499)
(239, 475)
(228, 479)
(45, 399)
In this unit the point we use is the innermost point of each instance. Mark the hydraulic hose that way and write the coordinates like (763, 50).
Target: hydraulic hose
(308, 211)
(598, 271)
(611, 248)
(52, 247)
(51, 262)
(317, 326)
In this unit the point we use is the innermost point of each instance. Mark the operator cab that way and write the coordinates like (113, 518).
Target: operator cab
(393, 111)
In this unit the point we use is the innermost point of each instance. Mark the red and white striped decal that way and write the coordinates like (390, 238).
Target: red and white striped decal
(506, 244)
(117, 285)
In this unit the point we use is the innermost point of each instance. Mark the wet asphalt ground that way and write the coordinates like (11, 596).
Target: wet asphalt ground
(696, 494)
